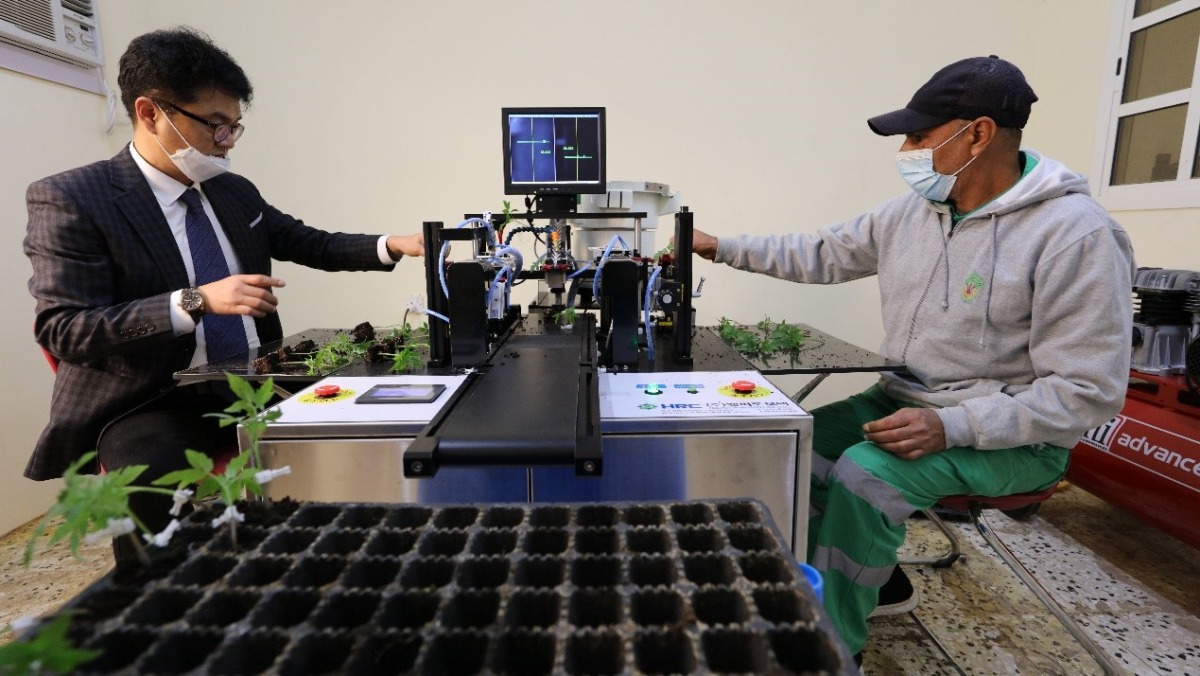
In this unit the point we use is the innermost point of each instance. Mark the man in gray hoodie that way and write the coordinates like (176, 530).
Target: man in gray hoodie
(1006, 291)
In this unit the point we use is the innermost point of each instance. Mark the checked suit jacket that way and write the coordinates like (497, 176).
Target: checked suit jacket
(104, 266)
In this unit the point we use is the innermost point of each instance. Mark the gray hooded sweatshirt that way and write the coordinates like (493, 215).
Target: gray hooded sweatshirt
(1015, 325)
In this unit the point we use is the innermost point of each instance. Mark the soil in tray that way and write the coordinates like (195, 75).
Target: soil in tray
(290, 359)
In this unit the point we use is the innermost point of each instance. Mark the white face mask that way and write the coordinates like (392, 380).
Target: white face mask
(916, 168)
(194, 164)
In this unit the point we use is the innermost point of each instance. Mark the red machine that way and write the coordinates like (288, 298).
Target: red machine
(1146, 460)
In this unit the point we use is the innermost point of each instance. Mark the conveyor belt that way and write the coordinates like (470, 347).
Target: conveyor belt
(521, 413)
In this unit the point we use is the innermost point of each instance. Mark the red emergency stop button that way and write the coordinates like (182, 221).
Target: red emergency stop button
(326, 390)
(743, 386)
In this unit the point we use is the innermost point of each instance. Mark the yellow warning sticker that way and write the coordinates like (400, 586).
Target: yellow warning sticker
(311, 398)
(757, 393)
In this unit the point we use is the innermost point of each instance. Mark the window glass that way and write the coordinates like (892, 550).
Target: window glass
(1148, 146)
(1156, 63)
(1147, 6)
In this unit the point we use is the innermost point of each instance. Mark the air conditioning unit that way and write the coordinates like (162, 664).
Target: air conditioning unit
(64, 30)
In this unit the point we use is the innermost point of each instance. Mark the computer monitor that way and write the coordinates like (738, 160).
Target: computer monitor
(553, 151)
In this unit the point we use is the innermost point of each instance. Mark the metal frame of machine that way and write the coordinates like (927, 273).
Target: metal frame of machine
(473, 297)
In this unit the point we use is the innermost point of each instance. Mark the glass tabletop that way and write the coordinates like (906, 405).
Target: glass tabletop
(817, 352)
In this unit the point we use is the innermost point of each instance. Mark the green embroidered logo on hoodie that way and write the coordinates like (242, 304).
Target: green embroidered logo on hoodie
(972, 286)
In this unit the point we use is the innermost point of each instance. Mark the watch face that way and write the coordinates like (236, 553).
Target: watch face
(191, 301)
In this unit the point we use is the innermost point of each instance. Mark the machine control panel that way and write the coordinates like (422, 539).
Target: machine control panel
(695, 394)
(395, 399)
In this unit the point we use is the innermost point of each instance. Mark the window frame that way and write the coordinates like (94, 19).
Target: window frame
(1181, 192)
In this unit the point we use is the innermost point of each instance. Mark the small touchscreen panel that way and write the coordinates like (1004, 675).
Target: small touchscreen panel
(407, 393)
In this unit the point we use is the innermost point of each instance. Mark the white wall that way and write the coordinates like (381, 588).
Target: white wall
(374, 116)
(46, 128)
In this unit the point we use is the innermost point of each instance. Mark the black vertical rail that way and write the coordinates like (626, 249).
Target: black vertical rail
(683, 275)
(439, 333)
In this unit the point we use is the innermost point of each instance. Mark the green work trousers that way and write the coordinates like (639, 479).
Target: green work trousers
(862, 495)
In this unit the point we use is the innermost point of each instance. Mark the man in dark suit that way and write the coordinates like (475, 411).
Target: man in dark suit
(133, 282)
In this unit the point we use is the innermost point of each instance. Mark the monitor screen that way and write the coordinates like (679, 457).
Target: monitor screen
(553, 151)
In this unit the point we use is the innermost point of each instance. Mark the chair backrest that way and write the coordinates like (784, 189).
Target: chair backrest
(50, 359)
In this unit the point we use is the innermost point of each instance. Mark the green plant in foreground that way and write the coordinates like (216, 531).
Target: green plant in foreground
(92, 506)
(238, 480)
(48, 652)
(98, 505)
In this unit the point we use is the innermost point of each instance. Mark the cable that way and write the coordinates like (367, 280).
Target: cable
(440, 316)
(603, 260)
(535, 229)
(503, 249)
(441, 262)
(492, 287)
(646, 312)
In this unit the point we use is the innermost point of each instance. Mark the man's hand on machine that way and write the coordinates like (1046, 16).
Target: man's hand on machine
(703, 244)
(406, 245)
(241, 295)
(909, 433)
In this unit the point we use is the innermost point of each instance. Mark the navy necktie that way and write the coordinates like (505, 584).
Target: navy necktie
(224, 335)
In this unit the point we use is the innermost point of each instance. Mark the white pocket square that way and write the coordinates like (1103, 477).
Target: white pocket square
(256, 221)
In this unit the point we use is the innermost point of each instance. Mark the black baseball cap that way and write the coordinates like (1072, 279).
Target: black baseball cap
(975, 87)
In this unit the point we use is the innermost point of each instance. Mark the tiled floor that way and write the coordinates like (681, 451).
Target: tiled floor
(1135, 589)
(53, 577)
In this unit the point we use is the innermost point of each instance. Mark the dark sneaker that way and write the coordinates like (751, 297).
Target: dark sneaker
(896, 595)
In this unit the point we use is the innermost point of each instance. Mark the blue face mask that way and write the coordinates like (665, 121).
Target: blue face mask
(916, 168)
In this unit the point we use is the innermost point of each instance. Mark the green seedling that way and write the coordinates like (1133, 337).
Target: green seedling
(508, 212)
(49, 652)
(92, 506)
(98, 505)
(566, 316)
(409, 358)
(238, 480)
(770, 340)
(338, 352)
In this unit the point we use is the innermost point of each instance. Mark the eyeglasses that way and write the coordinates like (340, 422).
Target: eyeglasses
(221, 132)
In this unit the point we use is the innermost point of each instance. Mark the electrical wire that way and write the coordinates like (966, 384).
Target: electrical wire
(646, 312)
(604, 259)
(441, 262)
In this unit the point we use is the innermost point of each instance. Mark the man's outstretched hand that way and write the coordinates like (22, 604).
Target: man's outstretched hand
(406, 245)
(704, 245)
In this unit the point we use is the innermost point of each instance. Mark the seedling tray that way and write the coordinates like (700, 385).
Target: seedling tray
(601, 588)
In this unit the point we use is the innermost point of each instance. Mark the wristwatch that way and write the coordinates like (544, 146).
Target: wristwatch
(192, 302)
